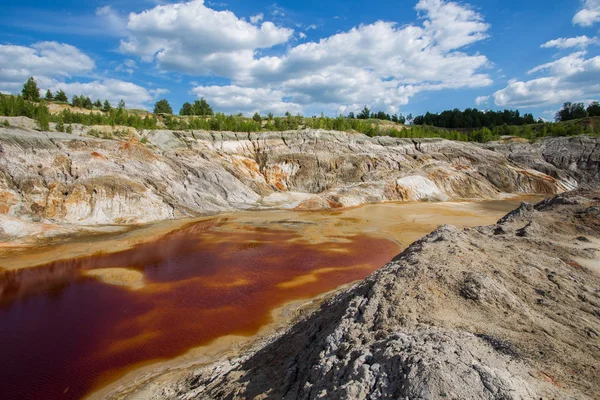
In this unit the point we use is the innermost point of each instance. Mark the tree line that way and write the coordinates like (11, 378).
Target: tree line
(31, 92)
(199, 115)
(473, 118)
(571, 111)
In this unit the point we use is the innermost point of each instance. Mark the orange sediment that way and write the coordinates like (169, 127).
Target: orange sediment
(65, 324)
(71, 326)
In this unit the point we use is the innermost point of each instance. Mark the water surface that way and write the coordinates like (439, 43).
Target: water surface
(73, 325)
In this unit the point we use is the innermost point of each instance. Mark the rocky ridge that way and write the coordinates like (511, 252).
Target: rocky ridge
(509, 311)
(78, 179)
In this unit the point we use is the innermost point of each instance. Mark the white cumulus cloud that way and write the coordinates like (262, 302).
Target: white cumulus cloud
(589, 13)
(569, 78)
(565, 43)
(52, 64)
(381, 64)
(452, 25)
(235, 99)
(196, 39)
(44, 61)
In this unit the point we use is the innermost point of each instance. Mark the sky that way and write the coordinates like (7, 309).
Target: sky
(307, 56)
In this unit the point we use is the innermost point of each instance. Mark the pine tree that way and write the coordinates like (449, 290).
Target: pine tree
(61, 96)
(30, 90)
(106, 107)
(49, 95)
(87, 103)
(121, 105)
(98, 104)
(257, 117)
(365, 113)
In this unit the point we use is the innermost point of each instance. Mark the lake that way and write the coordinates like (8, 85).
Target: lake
(73, 325)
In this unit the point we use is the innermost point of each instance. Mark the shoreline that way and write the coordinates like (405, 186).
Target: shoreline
(82, 242)
(146, 378)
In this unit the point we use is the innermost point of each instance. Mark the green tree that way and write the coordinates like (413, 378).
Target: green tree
(186, 109)
(86, 102)
(163, 107)
(201, 107)
(106, 106)
(30, 90)
(49, 96)
(42, 116)
(98, 104)
(76, 101)
(121, 105)
(364, 114)
(571, 111)
(270, 116)
(257, 117)
(593, 109)
(61, 96)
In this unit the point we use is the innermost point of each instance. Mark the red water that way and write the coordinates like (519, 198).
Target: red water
(63, 333)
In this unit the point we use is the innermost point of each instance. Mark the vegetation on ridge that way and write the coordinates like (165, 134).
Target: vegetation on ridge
(468, 125)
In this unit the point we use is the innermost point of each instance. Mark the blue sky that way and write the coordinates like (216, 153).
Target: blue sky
(308, 56)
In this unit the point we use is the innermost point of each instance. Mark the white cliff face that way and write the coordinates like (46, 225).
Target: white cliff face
(421, 188)
(59, 177)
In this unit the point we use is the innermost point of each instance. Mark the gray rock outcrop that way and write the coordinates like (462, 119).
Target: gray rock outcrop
(460, 314)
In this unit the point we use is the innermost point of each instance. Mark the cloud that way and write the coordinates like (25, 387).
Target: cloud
(381, 64)
(481, 100)
(302, 35)
(573, 77)
(52, 64)
(255, 19)
(452, 25)
(111, 21)
(277, 10)
(130, 63)
(234, 99)
(44, 60)
(192, 38)
(102, 22)
(589, 14)
(565, 43)
(128, 66)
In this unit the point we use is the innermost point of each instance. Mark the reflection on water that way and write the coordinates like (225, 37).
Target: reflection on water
(72, 325)
(61, 330)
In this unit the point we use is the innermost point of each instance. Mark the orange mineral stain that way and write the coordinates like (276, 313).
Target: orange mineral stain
(72, 325)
